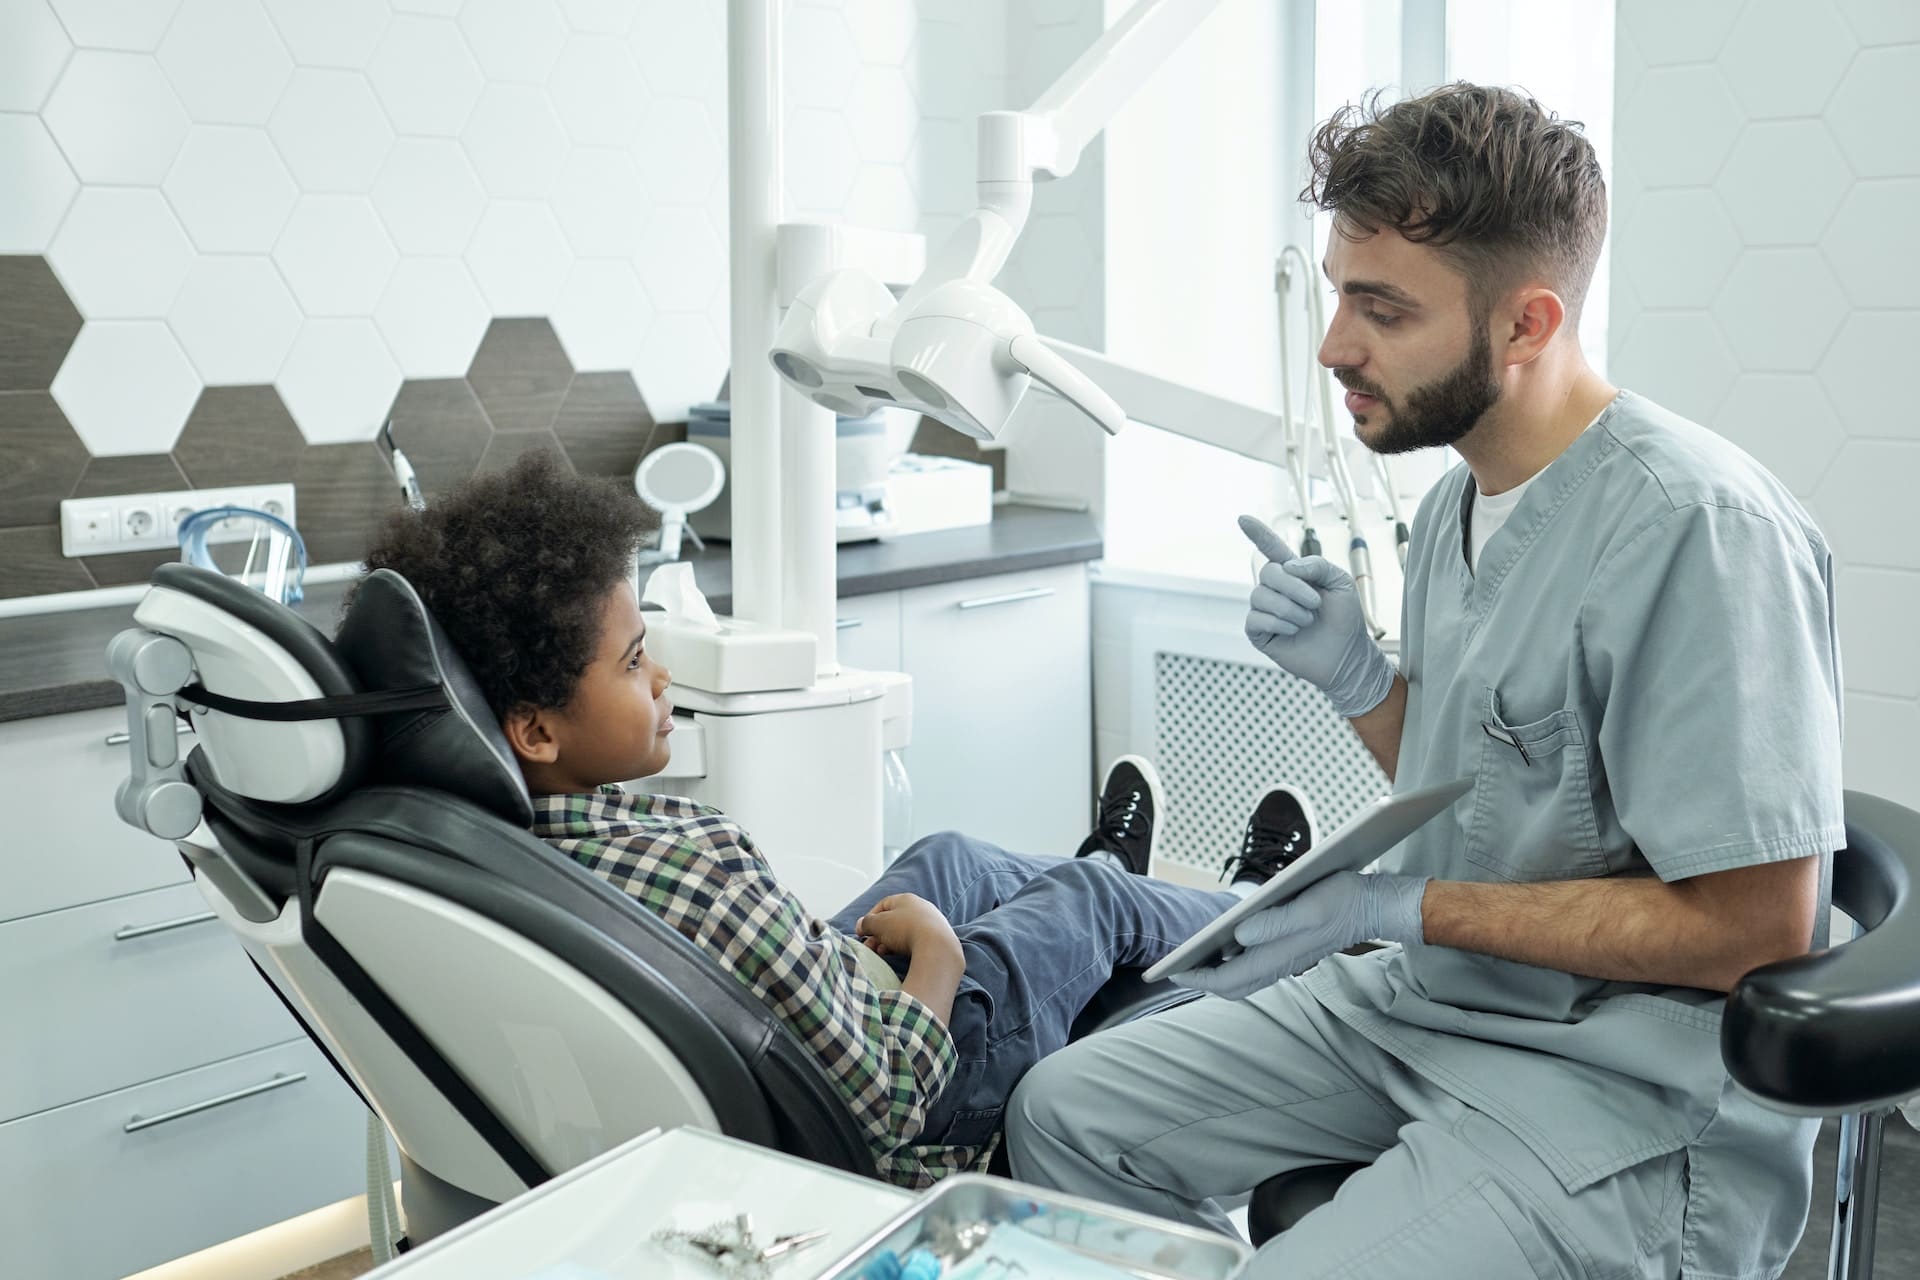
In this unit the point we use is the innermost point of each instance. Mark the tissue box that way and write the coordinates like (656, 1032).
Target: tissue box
(730, 656)
(926, 492)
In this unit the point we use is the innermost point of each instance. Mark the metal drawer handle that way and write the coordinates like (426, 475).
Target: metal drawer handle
(128, 932)
(848, 624)
(1031, 593)
(279, 1081)
(121, 738)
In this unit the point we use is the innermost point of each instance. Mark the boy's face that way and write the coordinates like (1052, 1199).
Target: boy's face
(615, 726)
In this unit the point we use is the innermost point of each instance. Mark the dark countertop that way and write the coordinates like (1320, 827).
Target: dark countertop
(56, 662)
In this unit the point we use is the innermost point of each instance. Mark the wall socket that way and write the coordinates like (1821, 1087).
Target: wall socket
(151, 521)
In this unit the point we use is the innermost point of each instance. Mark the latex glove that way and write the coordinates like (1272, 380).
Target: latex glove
(1305, 615)
(1331, 915)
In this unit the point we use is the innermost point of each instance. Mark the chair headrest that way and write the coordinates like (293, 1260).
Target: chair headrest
(391, 641)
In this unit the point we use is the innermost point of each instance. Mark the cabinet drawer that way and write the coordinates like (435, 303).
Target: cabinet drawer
(63, 844)
(215, 1153)
(869, 631)
(1002, 707)
(101, 997)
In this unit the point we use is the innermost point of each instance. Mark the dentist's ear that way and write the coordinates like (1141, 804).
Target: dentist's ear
(531, 735)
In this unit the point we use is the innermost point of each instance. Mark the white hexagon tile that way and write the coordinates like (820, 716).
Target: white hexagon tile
(230, 189)
(1783, 182)
(602, 201)
(519, 257)
(1766, 335)
(121, 254)
(1855, 372)
(516, 41)
(1855, 243)
(428, 196)
(126, 387)
(1772, 36)
(1871, 113)
(33, 54)
(1784, 421)
(338, 381)
(1644, 125)
(425, 76)
(1677, 247)
(601, 316)
(41, 188)
(116, 118)
(235, 319)
(335, 255)
(1875, 634)
(226, 61)
(515, 141)
(597, 91)
(339, 33)
(132, 25)
(433, 317)
(331, 131)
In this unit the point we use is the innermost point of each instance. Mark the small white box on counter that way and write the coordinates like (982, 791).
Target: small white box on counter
(927, 492)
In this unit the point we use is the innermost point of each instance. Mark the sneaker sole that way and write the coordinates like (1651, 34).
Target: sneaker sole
(1154, 789)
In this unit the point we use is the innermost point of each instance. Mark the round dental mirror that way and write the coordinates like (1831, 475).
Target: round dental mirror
(677, 480)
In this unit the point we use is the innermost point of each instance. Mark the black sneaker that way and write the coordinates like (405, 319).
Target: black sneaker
(1128, 814)
(1280, 830)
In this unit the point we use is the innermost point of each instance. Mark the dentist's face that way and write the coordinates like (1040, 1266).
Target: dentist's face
(1406, 343)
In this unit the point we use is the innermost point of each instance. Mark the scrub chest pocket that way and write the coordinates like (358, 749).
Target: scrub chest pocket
(1533, 815)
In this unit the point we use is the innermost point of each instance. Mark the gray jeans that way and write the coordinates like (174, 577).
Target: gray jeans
(1211, 1098)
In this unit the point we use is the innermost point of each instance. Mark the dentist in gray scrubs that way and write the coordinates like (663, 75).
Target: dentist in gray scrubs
(1622, 627)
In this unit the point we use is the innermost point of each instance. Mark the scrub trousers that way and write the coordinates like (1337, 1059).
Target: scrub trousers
(1213, 1097)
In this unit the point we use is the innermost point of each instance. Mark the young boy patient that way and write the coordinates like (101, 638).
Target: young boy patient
(928, 996)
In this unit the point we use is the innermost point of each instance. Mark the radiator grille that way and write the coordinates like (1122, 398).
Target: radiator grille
(1225, 732)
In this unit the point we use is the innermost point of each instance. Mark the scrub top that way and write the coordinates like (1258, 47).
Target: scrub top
(1642, 678)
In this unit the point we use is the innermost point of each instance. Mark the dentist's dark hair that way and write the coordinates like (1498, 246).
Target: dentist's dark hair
(516, 567)
(1500, 184)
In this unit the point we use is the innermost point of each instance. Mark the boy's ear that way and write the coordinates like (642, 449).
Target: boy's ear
(530, 732)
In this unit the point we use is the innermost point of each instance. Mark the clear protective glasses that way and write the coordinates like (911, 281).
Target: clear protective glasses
(256, 547)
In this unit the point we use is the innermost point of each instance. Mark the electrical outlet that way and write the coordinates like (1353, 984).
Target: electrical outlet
(151, 521)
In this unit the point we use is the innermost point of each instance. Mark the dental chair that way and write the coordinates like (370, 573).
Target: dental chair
(1832, 1033)
(354, 815)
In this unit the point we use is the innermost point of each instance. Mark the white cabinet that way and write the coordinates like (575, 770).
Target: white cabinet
(869, 631)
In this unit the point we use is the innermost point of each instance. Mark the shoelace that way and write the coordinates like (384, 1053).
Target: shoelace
(1117, 815)
(1263, 839)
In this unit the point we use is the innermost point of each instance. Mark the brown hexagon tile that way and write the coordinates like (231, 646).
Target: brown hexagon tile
(439, 424)
(43, 458)
(521, 374)
(506, 446)
(238, 435)
(38, 322)
(603, 424)
(344, 492)
(134, 473)
(126, 567)
(31, 563)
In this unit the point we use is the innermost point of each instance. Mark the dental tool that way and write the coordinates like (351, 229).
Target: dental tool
(1383, 476)
(403, 470)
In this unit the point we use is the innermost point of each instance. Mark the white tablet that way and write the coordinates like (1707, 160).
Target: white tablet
(1362, 838)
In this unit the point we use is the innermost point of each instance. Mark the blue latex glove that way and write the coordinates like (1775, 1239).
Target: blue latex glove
(1305, 615)
(1331, 915)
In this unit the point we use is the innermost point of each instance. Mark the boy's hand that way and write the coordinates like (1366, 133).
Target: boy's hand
(903, 924)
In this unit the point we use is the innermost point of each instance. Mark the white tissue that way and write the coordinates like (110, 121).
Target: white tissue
(671, 586)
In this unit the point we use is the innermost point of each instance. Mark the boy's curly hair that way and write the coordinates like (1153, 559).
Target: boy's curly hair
(516, 567)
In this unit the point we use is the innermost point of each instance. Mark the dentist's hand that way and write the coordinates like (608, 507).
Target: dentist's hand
(1332, 915)
(1306, 616)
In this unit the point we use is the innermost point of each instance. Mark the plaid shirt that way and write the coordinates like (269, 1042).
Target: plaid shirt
(692, 866)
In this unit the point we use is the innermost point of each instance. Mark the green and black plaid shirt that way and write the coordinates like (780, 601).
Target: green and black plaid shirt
(697, 870)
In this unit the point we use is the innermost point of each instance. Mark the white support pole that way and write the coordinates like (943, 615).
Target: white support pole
(809, 567)
(753, 178)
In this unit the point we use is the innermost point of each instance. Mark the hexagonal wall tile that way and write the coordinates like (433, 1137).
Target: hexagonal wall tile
(433, 317)
(425, 76)
(1784, 421)
(941, 167)
(1678, 248)
(1644, 125)
(680, 48)
(338, 381)
(230, 190)
(1877, 608)
(440, 425)
(519, 257)
(680, 258)
(238, 435)
(1882, 21)
(1669, 33)
(1783, 182)
(35, 50)
(954, 86)
(515, 40)
(126, 387)
(331, 131)
(116, 118)
(1865, 500)
(603, 17)
(515, 141)
(39, 188)
(597, 90)
(521, 374)
(678, 141)
(822, 184)
(1763, 333)
(44, 458)
(1862, 366)
(39, 322)
(336, 255)
(1056, 259)
(818, 57)
(340, 33)
(133, 25)
(1855, 243)
(601, 202)
(601, 315)
(225, 61)
(883, 198)
(235, 319)
(1869, 109)
(121, 254)
(346, 490)
(428, 196)
(681, 362)
(1784, 59)
(603, 424)
(883, 115)
(1877, 756)
(1679, 359)
(508, 447)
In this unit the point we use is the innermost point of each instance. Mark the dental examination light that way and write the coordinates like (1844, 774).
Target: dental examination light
(954, 347)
